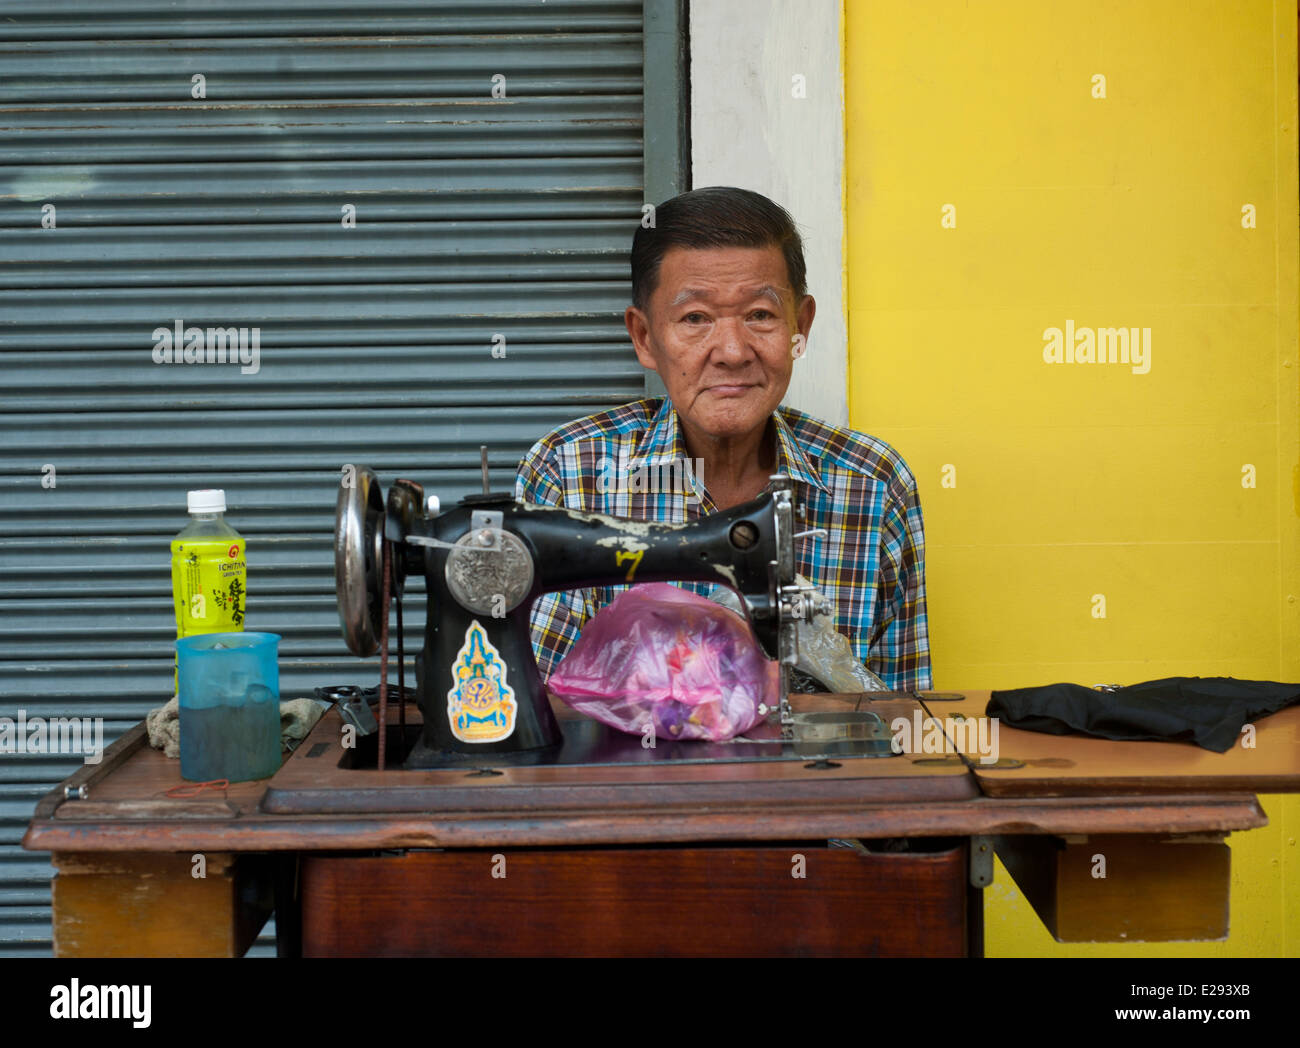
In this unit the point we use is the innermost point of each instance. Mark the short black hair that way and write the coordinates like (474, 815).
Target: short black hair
(716, 216)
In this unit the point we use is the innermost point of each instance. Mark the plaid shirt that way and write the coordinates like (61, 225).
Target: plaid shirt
(871, 563)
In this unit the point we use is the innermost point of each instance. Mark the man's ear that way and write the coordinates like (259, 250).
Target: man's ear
(638, 329)
(803, 317)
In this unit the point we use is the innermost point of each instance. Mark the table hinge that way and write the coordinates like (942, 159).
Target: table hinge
(981, 862)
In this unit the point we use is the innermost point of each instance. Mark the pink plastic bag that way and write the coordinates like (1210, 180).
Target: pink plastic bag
(662, 655)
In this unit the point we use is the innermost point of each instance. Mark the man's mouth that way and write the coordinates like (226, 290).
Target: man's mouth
(729, 390)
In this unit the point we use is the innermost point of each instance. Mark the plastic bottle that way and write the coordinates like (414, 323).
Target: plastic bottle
(209, 574)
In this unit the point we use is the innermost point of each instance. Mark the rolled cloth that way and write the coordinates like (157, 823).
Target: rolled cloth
(164, 727)
(297, 718)
(1209, 711)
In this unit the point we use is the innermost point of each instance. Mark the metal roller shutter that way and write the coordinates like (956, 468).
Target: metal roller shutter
(475, 217)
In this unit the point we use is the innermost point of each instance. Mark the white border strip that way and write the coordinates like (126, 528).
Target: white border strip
(750, 129)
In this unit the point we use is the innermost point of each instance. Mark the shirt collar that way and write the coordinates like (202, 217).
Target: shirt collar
(792, 460)
(664, 443)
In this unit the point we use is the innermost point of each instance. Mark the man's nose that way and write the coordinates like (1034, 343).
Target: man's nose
(731, 340)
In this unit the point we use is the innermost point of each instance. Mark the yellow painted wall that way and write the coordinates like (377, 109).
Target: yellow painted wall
(1073, 480)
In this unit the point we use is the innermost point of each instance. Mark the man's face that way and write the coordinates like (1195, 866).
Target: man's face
(719, 329)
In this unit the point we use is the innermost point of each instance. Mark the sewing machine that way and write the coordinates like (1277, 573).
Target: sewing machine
(487, 560)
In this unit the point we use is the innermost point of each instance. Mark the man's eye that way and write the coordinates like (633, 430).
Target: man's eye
(762, 314)
(695, 318)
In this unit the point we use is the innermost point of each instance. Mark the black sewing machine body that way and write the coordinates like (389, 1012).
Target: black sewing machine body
(486, 561)
(478, 659)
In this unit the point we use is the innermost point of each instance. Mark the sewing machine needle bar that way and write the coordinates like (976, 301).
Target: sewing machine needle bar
(383, 650)
(401, 675)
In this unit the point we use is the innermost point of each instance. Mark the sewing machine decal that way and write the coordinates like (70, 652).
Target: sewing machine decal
(480, 704)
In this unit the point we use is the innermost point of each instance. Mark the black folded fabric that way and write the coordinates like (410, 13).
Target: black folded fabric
(1209, 711)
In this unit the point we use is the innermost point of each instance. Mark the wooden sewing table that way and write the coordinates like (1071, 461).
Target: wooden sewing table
(875, 856)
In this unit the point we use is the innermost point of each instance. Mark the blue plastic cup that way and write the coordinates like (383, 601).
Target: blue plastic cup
(229, 706)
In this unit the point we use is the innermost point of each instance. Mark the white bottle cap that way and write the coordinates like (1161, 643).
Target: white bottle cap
(208, 500)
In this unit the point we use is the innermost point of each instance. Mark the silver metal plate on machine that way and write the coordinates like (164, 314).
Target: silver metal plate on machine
(489, 571)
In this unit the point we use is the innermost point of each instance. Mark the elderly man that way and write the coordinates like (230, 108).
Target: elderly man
(720, 311)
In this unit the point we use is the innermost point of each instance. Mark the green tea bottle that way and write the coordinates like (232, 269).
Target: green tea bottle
(209, 573)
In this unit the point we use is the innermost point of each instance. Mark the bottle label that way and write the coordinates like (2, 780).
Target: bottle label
(208, 580)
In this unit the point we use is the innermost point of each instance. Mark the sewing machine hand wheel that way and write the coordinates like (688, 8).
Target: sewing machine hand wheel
(358, 558)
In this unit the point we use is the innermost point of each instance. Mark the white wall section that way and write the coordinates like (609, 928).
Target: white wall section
(750, 128)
